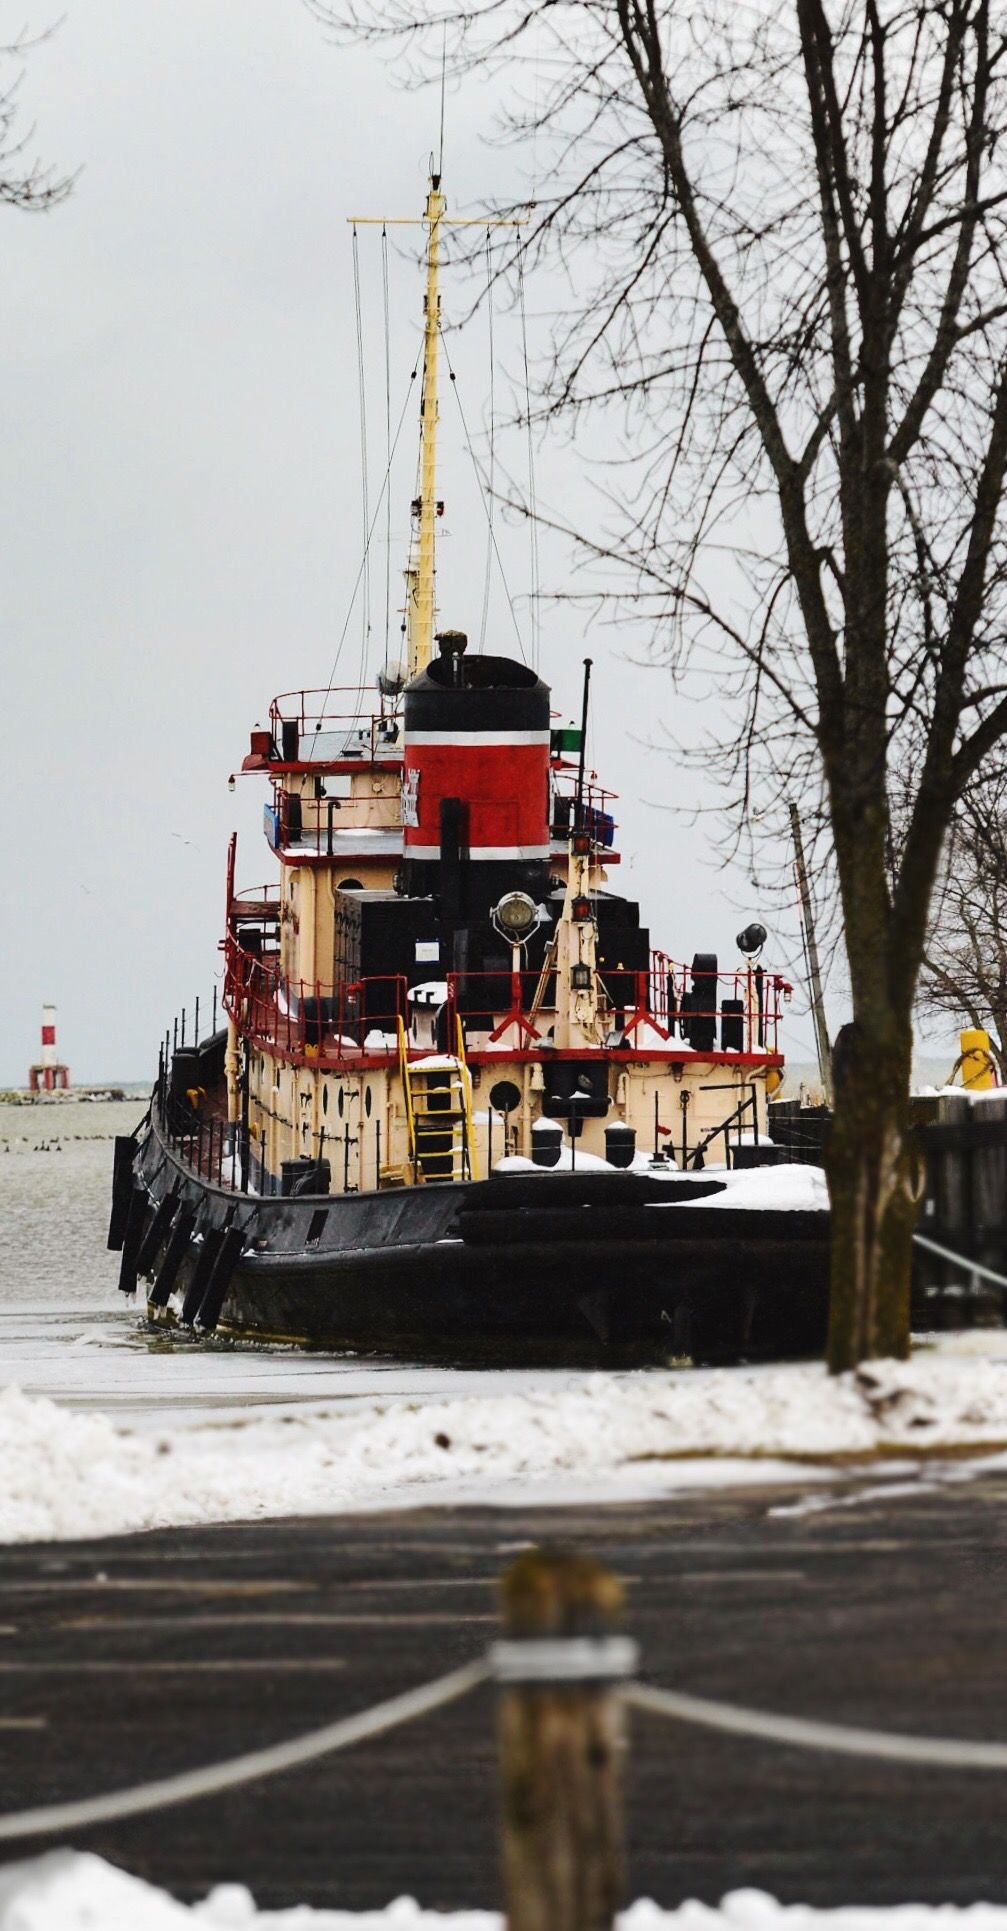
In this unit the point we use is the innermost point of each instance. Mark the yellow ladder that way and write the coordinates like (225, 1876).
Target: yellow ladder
(437, 1088)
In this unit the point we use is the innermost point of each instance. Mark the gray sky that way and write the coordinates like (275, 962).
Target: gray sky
(181, 497)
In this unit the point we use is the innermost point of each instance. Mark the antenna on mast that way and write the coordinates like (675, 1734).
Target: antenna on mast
(444, 76)
(578, 811)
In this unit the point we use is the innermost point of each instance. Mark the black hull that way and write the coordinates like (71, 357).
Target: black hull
(521, 1268)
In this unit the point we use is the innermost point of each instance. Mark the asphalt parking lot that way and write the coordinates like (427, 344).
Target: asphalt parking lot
(130, 1658)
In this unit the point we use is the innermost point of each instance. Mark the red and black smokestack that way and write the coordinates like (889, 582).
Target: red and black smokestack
(475, 785)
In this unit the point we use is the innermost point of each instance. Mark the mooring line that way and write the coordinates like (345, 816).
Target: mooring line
(215, 1778)
(942, 1753)
(803, 1733)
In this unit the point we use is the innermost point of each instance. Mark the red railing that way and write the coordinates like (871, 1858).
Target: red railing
(666, 1008)
(662, 1008)
(330, 727)
(743, 1007)
(306, 1019)
(256, 902)
(508, 1007)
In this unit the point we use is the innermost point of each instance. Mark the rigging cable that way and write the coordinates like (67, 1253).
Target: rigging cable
(362, 394)
(370, 535)
(481, 482)
(388, 448)
(492, 456)
(532, 504)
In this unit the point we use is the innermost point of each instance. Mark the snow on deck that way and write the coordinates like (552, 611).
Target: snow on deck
(787, 1188)
(601, 1437)
(77, 1891)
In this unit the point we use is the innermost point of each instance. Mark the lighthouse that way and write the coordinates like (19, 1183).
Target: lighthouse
(48, 1075)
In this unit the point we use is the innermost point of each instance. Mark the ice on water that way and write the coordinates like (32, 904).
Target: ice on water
(66, 1333)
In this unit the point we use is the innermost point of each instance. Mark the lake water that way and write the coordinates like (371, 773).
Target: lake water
(66, 1332)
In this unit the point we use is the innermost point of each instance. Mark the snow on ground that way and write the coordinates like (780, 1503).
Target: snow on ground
(602, 1437)
(71, 1891)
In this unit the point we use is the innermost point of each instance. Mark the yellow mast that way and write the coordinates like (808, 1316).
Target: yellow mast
(421, 570)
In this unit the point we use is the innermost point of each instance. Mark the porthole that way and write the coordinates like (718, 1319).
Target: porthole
(367, 1101)
(325, 1099)
(340, 1102)
(505, 1096)
(349, 885)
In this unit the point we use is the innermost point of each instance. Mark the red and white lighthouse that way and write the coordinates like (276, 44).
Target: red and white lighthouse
(48, 1075)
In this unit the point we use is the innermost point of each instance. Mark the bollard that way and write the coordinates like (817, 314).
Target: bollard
(560, 1730)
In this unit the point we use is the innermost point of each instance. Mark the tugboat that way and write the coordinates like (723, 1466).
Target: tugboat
(462, 1106)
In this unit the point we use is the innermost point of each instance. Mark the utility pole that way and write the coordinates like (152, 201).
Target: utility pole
(811, 958)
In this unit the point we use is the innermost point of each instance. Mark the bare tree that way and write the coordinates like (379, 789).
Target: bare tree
(784, 231)
(964, 974)
(26, 181)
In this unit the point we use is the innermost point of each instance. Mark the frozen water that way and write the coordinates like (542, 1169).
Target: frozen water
(67, 1333)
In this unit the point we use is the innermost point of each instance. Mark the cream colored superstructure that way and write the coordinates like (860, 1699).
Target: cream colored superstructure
(342, 1099)
(305, 1111)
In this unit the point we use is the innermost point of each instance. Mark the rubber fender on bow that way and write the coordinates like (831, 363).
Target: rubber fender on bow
(178, 1241)
(212, 1243)
(164, 1214)
(223, 1268)
(132, 1237)
(122, 1190)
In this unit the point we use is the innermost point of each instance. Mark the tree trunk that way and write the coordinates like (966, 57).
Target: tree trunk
(872, 1173)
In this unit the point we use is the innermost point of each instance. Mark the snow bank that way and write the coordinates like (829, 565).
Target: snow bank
(605, 1437)
(69, 1891)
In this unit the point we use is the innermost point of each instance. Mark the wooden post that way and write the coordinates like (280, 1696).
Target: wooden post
(561, 1740)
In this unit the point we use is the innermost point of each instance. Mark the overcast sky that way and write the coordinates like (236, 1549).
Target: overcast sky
(181, 497)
